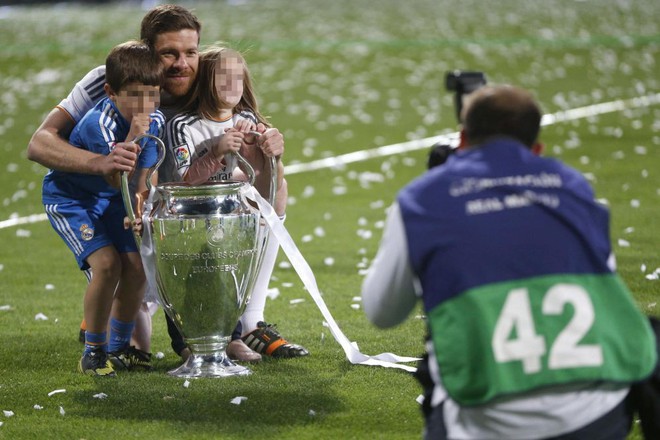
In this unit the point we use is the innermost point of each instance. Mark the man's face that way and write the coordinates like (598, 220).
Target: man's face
(229, 80)
(179, 53)
(136, 98)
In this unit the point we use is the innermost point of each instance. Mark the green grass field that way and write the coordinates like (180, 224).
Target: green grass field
(335, 77)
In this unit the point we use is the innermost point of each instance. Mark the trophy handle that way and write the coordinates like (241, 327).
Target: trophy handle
(125, 191)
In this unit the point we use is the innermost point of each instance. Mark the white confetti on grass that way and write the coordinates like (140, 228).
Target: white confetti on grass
(100, 396)
(38, 407)
(52, 393)
(40, 317)
(623, 243)
(297, 301)
(238, 400)
(23, 233)
(329, 261)
(8, 413)
(186, 384)
(49, 287)
(5, 307)
(273, 293)
(62, 412)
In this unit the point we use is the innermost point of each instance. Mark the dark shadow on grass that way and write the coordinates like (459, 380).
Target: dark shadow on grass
(277, 398)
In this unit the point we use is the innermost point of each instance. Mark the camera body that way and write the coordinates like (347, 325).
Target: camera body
(462, 83)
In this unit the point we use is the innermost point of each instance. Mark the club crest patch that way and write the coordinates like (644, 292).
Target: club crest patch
(182, 155)
(86, 233)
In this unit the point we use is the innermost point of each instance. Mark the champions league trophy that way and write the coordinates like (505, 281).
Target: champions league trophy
(208, 244)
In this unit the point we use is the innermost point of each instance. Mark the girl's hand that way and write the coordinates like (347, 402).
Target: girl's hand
(245, 126)
(230, 142)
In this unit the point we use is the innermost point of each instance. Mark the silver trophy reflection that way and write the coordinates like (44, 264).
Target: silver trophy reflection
(208, 243)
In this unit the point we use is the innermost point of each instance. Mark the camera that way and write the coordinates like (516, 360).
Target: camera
(462, 83)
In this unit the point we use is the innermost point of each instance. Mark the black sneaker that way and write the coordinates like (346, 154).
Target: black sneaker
(96, 363)
(266, 340)
(130, 359)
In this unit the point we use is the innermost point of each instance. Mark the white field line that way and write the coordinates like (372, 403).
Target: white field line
(418, 144)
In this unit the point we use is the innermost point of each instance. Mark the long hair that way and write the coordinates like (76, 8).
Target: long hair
(204, 99)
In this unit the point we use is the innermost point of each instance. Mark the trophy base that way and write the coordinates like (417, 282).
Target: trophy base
(209, 365)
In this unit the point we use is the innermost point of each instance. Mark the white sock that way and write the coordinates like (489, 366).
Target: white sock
(254, 312)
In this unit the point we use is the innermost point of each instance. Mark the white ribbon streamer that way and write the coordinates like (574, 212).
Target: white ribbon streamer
(306, 275)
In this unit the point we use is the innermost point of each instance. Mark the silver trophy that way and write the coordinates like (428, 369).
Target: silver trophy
(208, 243)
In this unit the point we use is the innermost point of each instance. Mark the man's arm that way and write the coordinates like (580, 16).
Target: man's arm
(49, 148)
(388, 290)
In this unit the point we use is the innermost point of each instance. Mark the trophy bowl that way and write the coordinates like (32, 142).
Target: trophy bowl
(208, 243)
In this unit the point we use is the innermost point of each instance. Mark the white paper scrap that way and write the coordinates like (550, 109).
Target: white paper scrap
(5, 307)
(186, 384)
(160, 355)
(238, 400)
(420, 399)
(40, 317)
(8, 413)
(355, 306)
(312, 413)
(296, 301)
(38, 407)
(56, 392)
(273, 293)
(100, 396)
(62, 412)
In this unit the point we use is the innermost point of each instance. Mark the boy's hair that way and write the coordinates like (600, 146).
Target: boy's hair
(495, 111)
(205, 100)
(167, 18)
(132, 62)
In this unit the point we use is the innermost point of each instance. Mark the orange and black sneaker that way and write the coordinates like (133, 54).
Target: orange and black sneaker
(267, 341)
(96, 363)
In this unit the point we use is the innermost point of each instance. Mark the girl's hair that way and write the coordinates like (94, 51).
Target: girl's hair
(132, 61)
(204, 99)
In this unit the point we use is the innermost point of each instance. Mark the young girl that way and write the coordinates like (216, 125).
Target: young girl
(221, 118)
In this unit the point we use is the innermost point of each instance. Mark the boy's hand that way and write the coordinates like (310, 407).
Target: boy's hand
(139, 125)
(136, 225)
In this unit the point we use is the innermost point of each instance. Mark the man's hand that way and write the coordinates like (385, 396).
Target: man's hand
(271, 141)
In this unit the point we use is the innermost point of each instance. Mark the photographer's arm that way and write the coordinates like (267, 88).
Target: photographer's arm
(49, 148)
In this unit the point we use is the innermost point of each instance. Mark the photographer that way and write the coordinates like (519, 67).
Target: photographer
(532, 333)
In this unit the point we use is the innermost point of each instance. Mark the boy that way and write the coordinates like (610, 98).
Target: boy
(87, 210)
